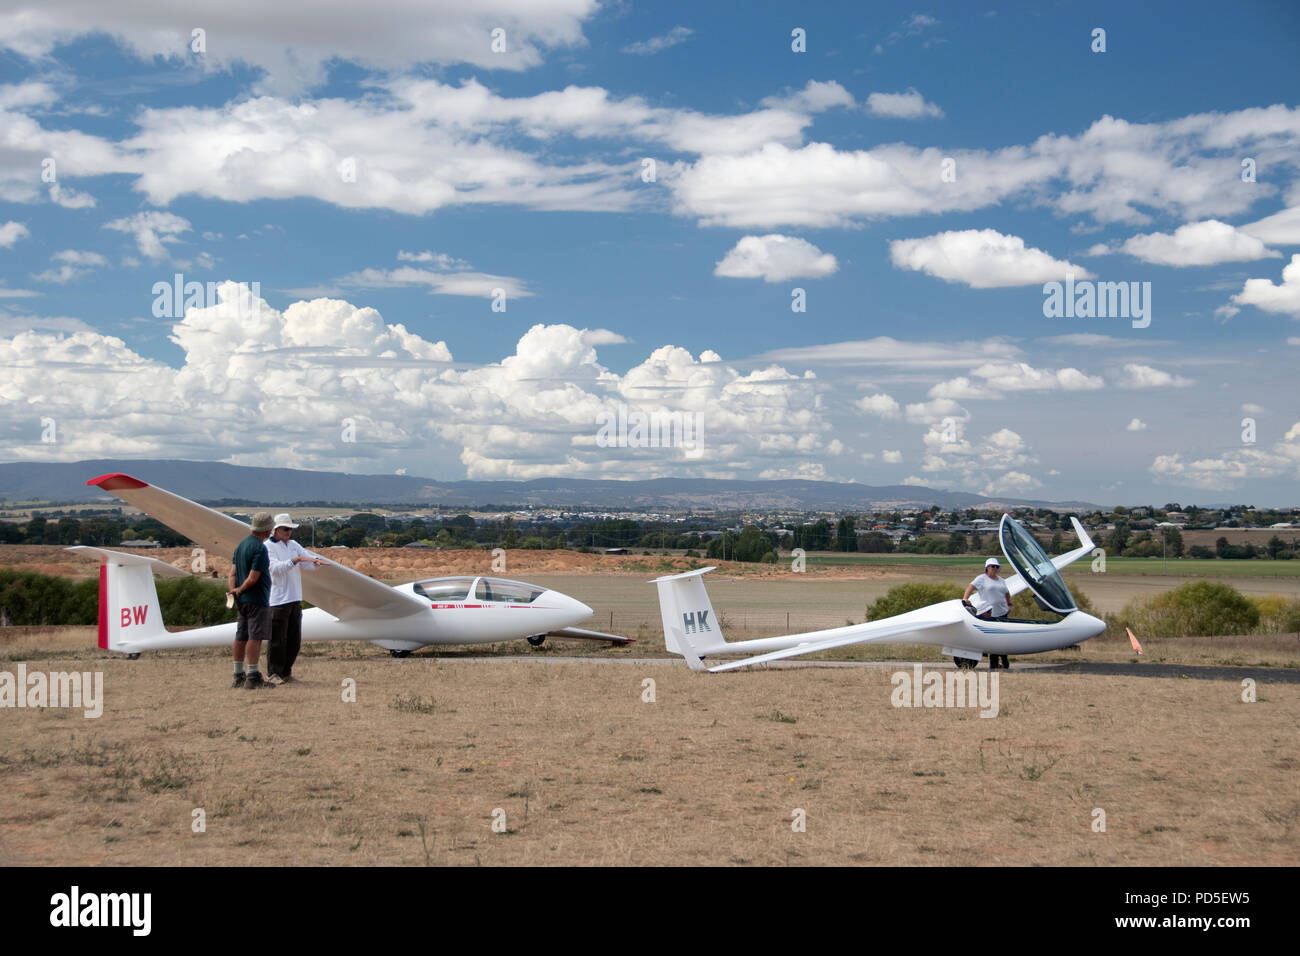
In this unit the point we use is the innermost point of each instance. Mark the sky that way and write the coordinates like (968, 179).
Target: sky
(1043, 250)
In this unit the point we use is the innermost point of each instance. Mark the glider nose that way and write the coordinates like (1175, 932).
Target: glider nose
(1088, 625)
(571, 606)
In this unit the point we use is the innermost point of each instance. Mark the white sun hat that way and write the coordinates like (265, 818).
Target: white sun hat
(282, 520)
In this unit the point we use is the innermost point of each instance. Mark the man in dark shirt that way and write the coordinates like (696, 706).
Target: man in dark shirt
(250, 585)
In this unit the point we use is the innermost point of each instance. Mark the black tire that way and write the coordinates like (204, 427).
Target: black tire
(400, 653)
(132, 657)
(537, 640)
(965, 663)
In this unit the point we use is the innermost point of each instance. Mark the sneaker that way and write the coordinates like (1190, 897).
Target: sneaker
(256, 682)
(274, 680)
(238, 681)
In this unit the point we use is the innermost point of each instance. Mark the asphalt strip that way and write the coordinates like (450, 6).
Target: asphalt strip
(1271, 675)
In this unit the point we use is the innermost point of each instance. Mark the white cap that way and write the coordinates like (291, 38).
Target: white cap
(990, 563)
(283, 520)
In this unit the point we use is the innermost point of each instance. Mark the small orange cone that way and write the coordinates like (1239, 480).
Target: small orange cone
(1133, 640)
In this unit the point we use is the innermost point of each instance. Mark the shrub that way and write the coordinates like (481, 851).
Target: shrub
(1194, 609)
(909, 597)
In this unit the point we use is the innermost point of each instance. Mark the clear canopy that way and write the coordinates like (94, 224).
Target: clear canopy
(1031, 561)
(489, 590)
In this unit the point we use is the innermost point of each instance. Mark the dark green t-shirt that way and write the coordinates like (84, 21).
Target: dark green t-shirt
(251, 556)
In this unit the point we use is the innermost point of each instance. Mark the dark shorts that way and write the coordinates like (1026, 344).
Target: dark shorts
(254, 623)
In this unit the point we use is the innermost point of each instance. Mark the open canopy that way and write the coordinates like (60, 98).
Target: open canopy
(1034, 566)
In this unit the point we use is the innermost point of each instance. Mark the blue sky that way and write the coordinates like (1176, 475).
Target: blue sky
(380, 172)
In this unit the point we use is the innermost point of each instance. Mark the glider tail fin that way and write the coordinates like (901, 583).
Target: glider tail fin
(691, 629)
(129, 611)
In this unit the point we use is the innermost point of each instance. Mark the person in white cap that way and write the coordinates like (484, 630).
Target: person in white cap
(992, 603)
(286, 557)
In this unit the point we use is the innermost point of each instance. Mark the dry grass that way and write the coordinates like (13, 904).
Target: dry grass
(587, 773)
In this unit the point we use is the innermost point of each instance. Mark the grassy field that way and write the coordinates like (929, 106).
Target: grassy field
(578, 769)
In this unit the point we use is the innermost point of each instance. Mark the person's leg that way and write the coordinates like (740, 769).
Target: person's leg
(292, 640)
(275, 651)
(238, 648)
(259, 629)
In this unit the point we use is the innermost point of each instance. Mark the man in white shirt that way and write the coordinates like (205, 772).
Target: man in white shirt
(992, 603)
(286, 557)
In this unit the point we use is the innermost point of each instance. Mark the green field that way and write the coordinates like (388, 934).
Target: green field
(1180, 567)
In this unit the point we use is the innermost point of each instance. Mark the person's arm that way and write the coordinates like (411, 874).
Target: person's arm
(279, 567)
(306, 558)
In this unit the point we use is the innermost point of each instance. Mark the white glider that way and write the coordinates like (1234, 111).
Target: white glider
(691, 628)
(348, 605)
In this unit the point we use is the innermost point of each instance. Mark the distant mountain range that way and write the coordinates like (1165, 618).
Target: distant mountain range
(213, 481)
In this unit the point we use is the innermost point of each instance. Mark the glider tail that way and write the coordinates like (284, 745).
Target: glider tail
(129, 612)
(691, 629)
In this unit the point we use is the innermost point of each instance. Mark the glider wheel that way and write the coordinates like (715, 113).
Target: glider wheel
(132, 657)
(400, 653)
(537, 640)
(965, 663)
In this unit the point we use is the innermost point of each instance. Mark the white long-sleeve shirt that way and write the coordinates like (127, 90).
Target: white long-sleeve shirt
(991, 594)
(286, 577)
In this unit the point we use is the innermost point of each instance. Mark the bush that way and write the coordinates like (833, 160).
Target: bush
(44, 600)
(192, 602)
(909, 597)
(1195, 609)
(1277, 615)
(1024, 607)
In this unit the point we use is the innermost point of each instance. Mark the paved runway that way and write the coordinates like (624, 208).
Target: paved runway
(1262, 675)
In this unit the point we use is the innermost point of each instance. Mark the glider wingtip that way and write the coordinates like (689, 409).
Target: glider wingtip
(117, 480)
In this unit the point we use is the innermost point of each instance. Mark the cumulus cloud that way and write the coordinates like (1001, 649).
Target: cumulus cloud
(909, 105)
(1136, 425)
(880, 404)
(1198, 244)
(255, 380)
(981, 258)
(776, 258)
(894, 457)
(1229, 470)
(1144, 376)
(11, 232)
(152, 231)
(815, 97)
(1264, 294)
(657, 44)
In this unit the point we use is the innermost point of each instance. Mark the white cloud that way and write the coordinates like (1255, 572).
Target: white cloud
(1012, 483)
(776, 258)
(70, 198)
(898, 353)
(881, 404)
(657, 44)
(815, 97)
(152, 231)
(1136, 425)
(981, 258)
(892, 457)
(257, 380)
(1198, 244)
(1144, 376)
(1280, 229)
(294, 40)
(73, 264)
(1230, 470)
(909, 105)
(927, 413)
(1020, 376)
(11, 232)
(1263, 294)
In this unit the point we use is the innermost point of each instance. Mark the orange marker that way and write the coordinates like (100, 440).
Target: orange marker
(1133, 640)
